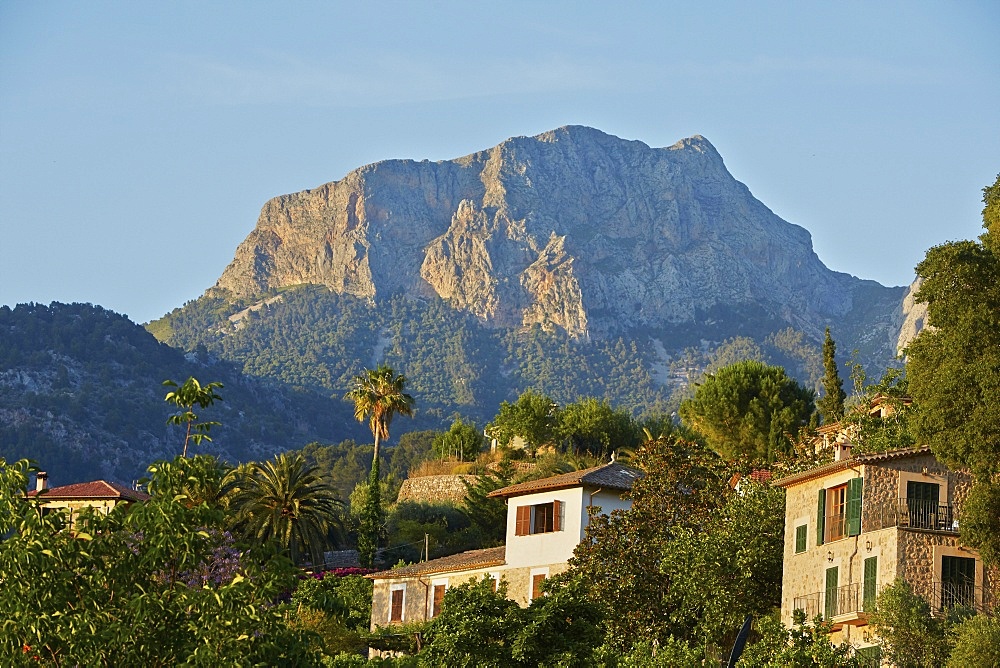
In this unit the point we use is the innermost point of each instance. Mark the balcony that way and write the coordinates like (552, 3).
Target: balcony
(945, 595)
(842, 606)
(834, 527)
(912, 514)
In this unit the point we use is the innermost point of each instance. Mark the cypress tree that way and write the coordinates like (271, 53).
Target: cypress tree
(831, 405)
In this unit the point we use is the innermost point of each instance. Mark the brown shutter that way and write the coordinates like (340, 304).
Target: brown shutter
(536, 585)
(396, 612)
(438, 599)
(523, 525)
(557, 507)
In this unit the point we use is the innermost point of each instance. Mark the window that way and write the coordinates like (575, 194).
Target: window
(437, 599)
(836, 512)
(396, 596)
(540, 518)
(536, 585)
(922, 504)
(958, 581)
(870, 587)
(869, 657)
(800, 538)
(839, 511)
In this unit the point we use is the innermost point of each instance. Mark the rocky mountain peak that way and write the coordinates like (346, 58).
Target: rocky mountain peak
(573, 230)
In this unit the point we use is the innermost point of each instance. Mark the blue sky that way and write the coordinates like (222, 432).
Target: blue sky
(139, 140)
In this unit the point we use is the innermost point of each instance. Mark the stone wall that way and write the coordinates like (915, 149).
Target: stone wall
(436, 488)
(885, 485)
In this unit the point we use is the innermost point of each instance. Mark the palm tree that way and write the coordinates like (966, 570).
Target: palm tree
(285, 499)
(378, 396)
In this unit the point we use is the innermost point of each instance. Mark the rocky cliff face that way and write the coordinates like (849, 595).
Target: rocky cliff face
(573, 229)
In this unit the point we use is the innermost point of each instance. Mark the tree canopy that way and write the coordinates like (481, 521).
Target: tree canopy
(953, 366)
(691, 558)
(749, 409)
(831, 404)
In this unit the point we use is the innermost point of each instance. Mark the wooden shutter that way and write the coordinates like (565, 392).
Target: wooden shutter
(536, 585)
(437, 600)
(801, 532)
(869, 590)
(557, 507)
(854, 489)
(831, 606)
(523, 524)
(821, 517)
(396, 609)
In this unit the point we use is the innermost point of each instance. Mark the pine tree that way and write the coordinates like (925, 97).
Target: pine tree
(831, 405)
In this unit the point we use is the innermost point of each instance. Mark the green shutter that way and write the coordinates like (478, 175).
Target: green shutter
(800, 538)
(821, 517)
(854, 487)
(870, 583)
(830, 609)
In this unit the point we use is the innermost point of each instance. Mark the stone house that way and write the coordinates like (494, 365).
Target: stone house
(852, 526)
(99, 494)
(546, 519)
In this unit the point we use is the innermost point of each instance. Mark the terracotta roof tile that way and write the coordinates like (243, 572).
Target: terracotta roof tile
(463, 561)
(608, 476)
(97, 489)
(832, 467)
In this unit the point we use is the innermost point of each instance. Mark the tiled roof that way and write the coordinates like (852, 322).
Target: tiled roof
(607, 476)
(463, 561)
(97, 489)
(833, 467)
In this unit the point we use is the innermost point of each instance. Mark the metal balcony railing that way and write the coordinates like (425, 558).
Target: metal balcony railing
(945, 595)
(912, 514)
(834, 527)
(841, 601)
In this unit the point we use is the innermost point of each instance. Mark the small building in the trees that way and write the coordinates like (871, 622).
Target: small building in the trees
(546, 520)
(854, 525)
(100, 495)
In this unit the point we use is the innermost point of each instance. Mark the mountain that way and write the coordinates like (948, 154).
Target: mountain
(81, 393)
(574, 229)
(574, 262)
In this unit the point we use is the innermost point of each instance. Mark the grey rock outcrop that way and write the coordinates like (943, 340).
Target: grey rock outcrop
(572, 229)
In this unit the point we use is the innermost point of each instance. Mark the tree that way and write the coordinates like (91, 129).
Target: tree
(200, 479)
(749, 409)
(462, 442)
(715, 552)
(186, 397)
(831, 404)
(907, 631)
(592, 426)
(805, 644)
(889, 428)
(533, 417)
(953, 366)
(488, 514)
(977, 643)
(481, 627)
(378, 396)
(284, 500)
(122, 588)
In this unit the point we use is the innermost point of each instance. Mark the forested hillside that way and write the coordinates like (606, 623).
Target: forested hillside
(80, 392)
(312, 337)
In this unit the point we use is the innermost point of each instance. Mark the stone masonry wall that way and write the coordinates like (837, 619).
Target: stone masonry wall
(435, 488)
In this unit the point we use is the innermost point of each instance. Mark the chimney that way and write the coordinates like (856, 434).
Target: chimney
(41, 481)
(842, 449)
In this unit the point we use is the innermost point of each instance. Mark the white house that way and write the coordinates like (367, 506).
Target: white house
(546, 519)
